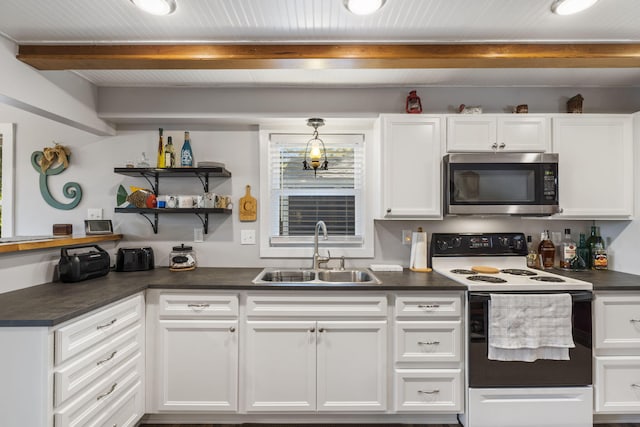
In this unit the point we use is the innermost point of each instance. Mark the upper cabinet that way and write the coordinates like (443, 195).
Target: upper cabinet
(411, 171)
(486, 132)
(595, 171)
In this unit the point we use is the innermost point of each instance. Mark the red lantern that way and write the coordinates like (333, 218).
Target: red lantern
(413, 106)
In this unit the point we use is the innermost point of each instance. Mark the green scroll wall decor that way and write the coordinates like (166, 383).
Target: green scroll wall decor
(53, 161)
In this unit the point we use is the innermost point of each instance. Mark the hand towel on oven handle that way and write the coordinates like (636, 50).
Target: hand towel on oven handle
(527, 327)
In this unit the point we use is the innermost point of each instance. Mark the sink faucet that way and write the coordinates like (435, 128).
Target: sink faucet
(317, 259)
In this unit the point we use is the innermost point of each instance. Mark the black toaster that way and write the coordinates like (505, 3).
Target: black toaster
(74, 267)
(134, 259)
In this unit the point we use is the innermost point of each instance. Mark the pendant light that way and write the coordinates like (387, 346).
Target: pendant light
(156, 7)
(569, 7)
(363, 7)
(315, 148)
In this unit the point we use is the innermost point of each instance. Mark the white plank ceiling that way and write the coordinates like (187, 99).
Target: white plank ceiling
(327, 21)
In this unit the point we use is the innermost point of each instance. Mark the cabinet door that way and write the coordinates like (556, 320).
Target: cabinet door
(280, 366)
(352, 366)
(523, 133)
(595, 171)
(197, 365)
(470, 133)
(411, 159)
(617, 322)
(617, 384)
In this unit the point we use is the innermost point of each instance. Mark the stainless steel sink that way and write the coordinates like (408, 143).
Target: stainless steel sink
(319, 277)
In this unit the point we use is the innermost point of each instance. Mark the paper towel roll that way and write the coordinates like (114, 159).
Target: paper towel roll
(419, 250)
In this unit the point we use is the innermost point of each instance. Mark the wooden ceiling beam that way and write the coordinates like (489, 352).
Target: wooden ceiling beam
(316, 56)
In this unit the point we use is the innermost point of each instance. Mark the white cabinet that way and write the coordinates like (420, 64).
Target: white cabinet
(428, 363)
(616, 343)
(310, 362)
(194, 351)
(411, 166)
(513, 132)
(595, 171)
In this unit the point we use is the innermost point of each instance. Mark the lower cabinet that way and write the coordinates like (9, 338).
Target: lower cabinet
(316, 365)
(193, 351)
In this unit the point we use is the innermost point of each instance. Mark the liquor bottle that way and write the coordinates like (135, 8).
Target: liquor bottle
(160, 163)
(582, 254)
(533, 261)
(600, 261)
(547, 250)
(169, 154)
(593, 239)
(568, 250)
(186, 155)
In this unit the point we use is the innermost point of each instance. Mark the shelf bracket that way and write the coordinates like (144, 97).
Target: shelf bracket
(154, 223)
(154, 185)
(204, 219)
(204, 180)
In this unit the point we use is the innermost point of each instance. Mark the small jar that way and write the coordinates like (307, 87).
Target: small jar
(182, 258)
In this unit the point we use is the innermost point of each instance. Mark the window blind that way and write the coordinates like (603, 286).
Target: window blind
(300, 198)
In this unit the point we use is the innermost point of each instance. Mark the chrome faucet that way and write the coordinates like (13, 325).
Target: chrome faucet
(317, 259)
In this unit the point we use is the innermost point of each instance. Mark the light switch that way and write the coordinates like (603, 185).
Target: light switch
(247, 237)
(94, 213)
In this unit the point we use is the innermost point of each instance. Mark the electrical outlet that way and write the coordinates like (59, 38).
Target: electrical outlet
(406, 237)
(94, 213)
(247, 237)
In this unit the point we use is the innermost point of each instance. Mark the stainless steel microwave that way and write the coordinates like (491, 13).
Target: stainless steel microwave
(501, 184)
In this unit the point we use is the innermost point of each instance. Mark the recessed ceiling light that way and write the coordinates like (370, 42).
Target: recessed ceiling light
(363, 7)
(156, 7)
(569, 7)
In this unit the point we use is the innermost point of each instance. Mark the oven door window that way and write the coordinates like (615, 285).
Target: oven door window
(493, 184)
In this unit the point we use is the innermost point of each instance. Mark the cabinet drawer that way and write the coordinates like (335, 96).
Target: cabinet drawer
(201, 305)
(89, 331)
(428, 341)
(617, 384)
(617, 322)
(317, 306)
(89, 405)
(126, 411)
(429, 390)
(73, 377)
(429, 306)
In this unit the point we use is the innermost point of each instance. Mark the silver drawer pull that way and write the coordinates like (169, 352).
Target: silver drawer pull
(635, 385)
(106, 325)
(102, 396)
(429, 392)
(199, 305)
(634, 320)
(428, 305)
(428, 342)
(100, 362)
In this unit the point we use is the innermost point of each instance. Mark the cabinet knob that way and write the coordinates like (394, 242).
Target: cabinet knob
(494, 146)
(321, 330)
(312, 330)
(232, 329)
(388, 210)
(502, 145)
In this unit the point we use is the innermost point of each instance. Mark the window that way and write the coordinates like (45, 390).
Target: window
(6, 179)
(295, 199)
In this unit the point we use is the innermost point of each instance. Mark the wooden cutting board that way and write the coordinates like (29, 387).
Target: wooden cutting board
(248, 206)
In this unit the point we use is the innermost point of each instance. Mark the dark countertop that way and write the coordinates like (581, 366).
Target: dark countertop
(53, 303)
(605, 280)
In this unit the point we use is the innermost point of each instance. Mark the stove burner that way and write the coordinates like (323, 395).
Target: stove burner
(547, 279)
(463, 271)
(490, 279)
(518, 272)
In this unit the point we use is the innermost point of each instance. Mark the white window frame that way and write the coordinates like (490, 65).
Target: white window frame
(7, 204)
(304, 249)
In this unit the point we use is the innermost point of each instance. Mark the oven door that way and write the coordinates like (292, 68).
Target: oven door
(504, 183)
(542, 373)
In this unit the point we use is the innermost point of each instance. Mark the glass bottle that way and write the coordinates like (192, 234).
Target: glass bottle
(160, 161)
(547, 250)
(186, 155)
(532, 256)
(568, 250)
(600, 261)
(582, 252)
(593, 239)
(169, 154)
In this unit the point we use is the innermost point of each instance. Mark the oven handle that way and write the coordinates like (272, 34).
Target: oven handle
(578, 296)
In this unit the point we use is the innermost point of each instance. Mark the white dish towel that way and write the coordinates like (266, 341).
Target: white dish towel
(527, 327)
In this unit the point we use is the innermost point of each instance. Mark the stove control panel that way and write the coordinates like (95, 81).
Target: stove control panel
(480, 244)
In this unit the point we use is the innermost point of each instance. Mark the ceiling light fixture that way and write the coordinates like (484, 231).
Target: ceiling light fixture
(363, 7)
(315, 148)
(156, 7)
(569, 7)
